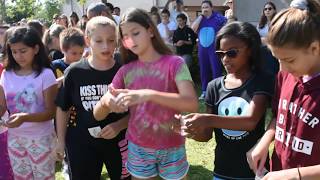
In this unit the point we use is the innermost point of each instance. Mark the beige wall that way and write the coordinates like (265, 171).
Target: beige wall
(250, 10)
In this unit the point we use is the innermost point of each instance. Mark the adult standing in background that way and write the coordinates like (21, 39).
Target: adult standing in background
(229, 12)
(270, 63)
(177, 9)
(74, 19)
(207, 25)
(268, 12)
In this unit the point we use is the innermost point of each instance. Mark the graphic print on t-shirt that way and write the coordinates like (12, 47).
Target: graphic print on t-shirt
(23, 100)
(233, 106)
(91, 94)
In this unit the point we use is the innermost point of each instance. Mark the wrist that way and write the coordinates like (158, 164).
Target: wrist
(24, 117)
(104, 102)
(299, 173)
(150, 95)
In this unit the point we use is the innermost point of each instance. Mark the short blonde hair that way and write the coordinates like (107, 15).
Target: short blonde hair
(99, 21)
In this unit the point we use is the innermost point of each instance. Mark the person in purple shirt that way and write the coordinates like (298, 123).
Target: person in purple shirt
(207, 25)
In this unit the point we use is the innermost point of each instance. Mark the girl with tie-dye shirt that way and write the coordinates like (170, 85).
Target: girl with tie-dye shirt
(155, 85)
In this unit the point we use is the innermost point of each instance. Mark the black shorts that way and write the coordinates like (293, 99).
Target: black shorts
(86, 155)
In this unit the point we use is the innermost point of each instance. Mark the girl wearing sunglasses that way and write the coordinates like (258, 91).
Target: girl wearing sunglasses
(268, 12)
(236, 103)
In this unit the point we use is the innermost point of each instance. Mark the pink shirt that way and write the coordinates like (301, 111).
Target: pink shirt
(149, 124)
(25, 94)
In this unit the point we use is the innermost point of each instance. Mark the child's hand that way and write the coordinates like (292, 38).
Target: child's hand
(108, 100)
(15, 120)
(133, 97)
(176, 124)
(257, 156)
(58, 152)
(195, 122)
(110, 131)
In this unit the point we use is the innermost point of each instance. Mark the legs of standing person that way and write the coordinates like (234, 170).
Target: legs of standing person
(30, 157)
(187, 59)
(5, 167)
(84, 161)
(205, 69)
(115, 158)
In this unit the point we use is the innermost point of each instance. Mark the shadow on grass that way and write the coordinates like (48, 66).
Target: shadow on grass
(195, 173)
(199, 173)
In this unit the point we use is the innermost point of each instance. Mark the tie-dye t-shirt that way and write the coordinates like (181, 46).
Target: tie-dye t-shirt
(26, 94)
(149, 124)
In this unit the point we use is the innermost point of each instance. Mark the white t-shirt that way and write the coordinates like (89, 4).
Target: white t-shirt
(117, 19)
(25, 94)
(263, 31)
(172, 26)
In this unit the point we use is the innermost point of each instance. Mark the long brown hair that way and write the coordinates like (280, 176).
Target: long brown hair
(263, 19)
(295, 27)
(142, 18)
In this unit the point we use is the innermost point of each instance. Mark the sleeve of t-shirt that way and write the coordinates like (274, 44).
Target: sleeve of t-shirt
(182, 72)
(118, 79)
(64, 97)
(210, 94)
(265, 86)
(48, 79)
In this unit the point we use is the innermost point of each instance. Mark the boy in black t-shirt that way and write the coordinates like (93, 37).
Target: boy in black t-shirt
(184, 39)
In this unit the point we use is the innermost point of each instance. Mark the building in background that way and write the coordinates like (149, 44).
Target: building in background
(244, 10)
(192, 7)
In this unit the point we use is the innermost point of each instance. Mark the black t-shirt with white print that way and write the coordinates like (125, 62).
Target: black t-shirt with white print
(83, 87)
(230, 153)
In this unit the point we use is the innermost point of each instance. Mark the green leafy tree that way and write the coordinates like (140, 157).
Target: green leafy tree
(20, 9)
(48, 9)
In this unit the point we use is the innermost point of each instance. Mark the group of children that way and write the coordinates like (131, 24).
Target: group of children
(127, 116)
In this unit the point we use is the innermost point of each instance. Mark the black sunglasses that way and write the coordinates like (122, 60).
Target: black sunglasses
(269, 8)
(232, 53)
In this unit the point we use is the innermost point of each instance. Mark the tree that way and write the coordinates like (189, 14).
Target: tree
(2, 10)
(48, 9)
(20, 9)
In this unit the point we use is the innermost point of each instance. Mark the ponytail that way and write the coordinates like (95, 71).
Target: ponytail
(297, 26)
